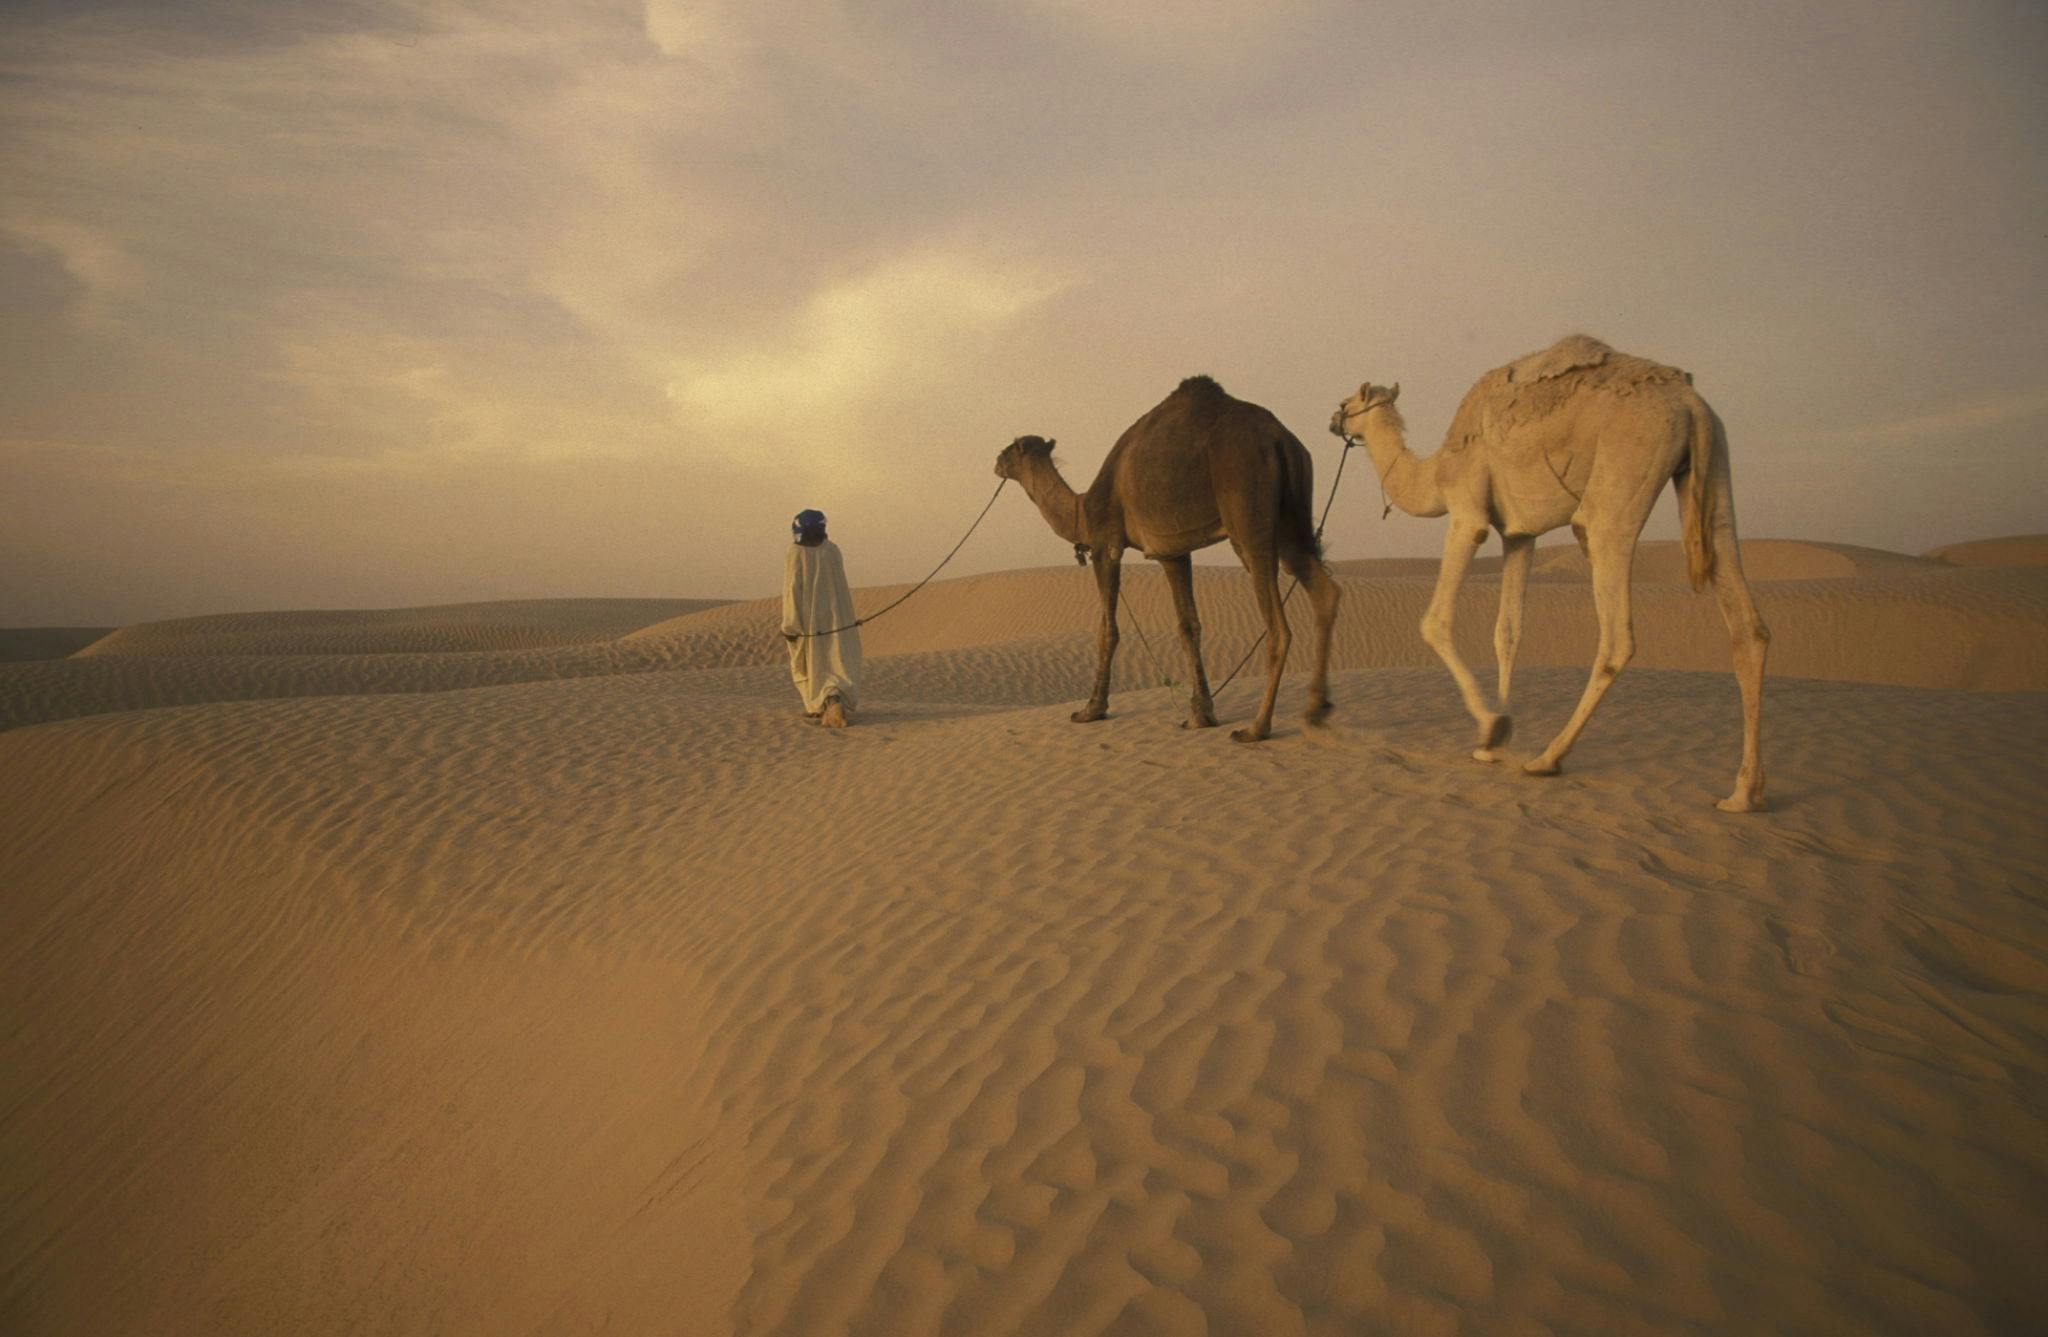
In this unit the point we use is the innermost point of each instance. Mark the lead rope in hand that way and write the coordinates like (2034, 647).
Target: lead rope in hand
(863, 621)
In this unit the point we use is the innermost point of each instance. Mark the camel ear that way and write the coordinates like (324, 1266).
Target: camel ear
(1394, 392)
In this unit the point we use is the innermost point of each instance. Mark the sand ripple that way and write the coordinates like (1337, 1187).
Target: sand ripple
(511, 1009)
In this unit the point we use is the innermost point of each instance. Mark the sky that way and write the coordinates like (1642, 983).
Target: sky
(378, 303)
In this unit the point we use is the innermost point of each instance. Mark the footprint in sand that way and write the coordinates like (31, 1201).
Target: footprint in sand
(1805, 949)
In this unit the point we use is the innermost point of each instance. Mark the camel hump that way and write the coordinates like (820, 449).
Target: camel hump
(1574, 352)
(1201, 386)
(1530, 389)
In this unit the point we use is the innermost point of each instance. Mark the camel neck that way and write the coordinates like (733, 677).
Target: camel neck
(1058, 503)
(1410, 481)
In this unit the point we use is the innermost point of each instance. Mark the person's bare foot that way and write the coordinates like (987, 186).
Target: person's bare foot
(835, 715)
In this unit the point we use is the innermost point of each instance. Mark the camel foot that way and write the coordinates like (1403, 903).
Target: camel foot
(1089, 714)
(1540, 766)
(1204, 721)
(1495, 732)
(834, 716)
(1486, 754)
(1746, 798)
(1317, 712)
(1251, 733)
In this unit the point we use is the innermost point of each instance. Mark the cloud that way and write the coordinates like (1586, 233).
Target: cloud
(465, 250)
(1203, 34)
(861, 345)
(95, 259)
(708, 34)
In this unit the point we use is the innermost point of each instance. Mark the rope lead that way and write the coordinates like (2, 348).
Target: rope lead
(863, 621)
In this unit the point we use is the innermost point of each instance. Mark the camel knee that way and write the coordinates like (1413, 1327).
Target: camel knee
(1190, 629)
(1436, 632)
(1750, 642)
(1617, 656)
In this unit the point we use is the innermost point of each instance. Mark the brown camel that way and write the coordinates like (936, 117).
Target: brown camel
(1199, 468)
(1582, 435)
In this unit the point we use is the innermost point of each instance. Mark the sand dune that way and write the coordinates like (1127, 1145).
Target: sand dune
(1843, 613)
(2021, 550)
(1663, 563)
(517, 624)
(423, 996)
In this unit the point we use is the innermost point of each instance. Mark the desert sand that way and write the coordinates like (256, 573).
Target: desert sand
(535, 968)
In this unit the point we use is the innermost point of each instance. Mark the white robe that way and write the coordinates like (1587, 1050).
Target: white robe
(815, 598)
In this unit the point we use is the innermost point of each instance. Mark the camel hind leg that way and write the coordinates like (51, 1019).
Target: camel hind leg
(1108, 579)
(1613, 551)
(1180, 578)
(1748, 637)
(1516, 549)
(1752, 642)
(1264, 567)
(1324, 596)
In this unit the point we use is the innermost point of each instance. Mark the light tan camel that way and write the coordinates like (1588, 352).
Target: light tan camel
(1582, 435)
(1199, 468)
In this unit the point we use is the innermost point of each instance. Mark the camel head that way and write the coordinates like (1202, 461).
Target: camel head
(1350, 414)
(1010, 464)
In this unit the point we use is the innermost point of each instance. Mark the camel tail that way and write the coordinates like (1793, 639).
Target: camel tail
(1699, 486)
(1297, 495)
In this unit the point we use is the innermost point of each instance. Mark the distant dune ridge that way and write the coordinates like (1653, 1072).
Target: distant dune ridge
(1871, 616)
(518, 624)
(19, 643)
(533, 967)
(2021, 550)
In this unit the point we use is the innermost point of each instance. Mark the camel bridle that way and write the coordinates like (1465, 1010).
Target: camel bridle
(1340, 428)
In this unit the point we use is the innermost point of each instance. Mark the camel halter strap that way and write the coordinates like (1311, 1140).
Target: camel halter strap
(1386, 504)
(863, 621)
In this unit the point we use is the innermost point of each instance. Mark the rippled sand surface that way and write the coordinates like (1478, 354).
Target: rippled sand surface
(579, 985)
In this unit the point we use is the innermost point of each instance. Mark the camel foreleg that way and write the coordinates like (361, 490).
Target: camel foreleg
(1516, 551)
(1613, 556)
(1108, 579)
(1461, 540)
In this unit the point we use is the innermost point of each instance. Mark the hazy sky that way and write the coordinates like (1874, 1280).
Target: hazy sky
(410, 301)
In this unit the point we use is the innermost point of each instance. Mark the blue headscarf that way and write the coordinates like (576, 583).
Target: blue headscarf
(807, 520)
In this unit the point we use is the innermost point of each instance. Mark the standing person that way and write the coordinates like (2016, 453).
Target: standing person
(814, 599)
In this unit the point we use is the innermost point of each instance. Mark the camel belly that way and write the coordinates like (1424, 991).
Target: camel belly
(1178, 541)
(1539, 497)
